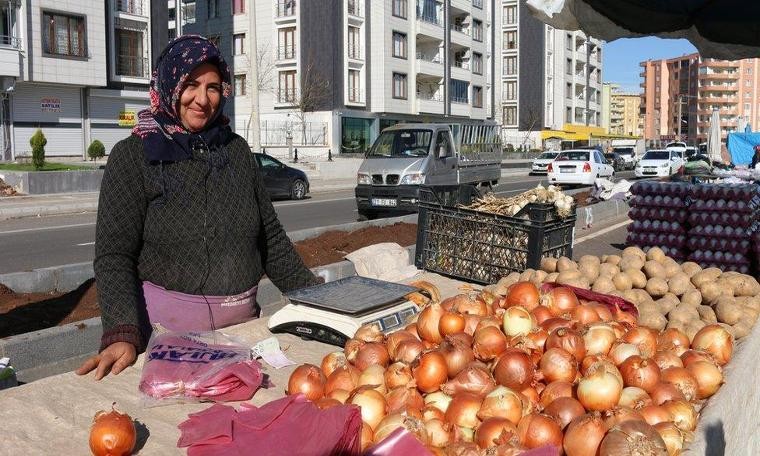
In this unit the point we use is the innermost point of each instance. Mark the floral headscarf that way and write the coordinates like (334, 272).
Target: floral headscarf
(160, 127)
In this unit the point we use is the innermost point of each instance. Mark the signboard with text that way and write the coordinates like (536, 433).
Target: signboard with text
(127, 119)
(50, 104)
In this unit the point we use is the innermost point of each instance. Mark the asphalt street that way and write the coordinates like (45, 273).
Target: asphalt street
(38, 242)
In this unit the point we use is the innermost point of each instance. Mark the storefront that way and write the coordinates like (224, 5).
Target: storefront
(113, 113)
(356, 135)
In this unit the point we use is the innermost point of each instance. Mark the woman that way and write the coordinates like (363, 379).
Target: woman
(755, 159)
(185, 228)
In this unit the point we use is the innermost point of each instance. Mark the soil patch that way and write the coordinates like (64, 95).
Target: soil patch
(6, 190)
(26, 312)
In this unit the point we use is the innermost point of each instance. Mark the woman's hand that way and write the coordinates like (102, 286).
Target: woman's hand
(114, 358)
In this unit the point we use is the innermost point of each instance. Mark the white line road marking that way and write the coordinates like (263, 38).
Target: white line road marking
(87, 243)
(602, 231)
(47, 228)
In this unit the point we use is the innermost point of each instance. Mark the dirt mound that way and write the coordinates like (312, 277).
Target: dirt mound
(6, 190)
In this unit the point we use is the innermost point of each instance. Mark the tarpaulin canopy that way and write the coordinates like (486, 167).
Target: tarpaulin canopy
(725, 29)
(741, 147)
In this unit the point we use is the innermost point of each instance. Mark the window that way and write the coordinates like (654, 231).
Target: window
(568, 115)
(129, 54)
(287, 93)
(459, 91)
(400, 86)
(477, 30)
(749, 70)
(238, 41)
(510, 65)
(477, 63)
(354, 93)
(510, 39)
(399, 45)
(747, 108)
(477, 97)
(509, 15)
(216, 40)
(212, 8)
(569, 90)
(510, 115)
(400, 8)
(748, 83)
(172, 14)
(172, 33)
(64, 35)
(442, 141)
(510, 90)
(286, 43)
(188, 12)
(238, 6)
(569, 66)
(239, 85)
(354, 42)
(477, 4)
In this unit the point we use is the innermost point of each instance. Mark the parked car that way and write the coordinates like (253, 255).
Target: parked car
(280, 180)
(580, 167)
(691, 151)
(659, 163)
(540, 163)
(628, 154)
(617, 161)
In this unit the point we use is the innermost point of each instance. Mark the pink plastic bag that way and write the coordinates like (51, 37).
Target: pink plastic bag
(195, 367)
(398, 443)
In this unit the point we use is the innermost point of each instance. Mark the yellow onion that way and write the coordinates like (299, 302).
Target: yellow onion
(427, 323)
(372, 404)
(495, 431)
(632, 438)
(517, 321)
(397, 420)
(599, 338)
(674, 438)
(599, 390)
(463, 410)
(683, 413)
(715, 340)
(502, 402)
(584, 435)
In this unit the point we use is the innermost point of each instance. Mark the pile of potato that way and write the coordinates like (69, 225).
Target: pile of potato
(667, 294)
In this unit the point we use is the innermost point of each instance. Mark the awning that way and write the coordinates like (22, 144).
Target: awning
(720, 29)
(572, 132)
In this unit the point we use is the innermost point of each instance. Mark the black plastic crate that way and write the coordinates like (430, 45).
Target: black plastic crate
(482, 247)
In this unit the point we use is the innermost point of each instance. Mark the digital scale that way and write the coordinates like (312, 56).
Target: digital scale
(332, 312)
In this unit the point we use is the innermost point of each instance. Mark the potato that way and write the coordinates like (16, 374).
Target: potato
(654, 269)
(552, 277)
(679, 284)
(711, 293)
(679, 325)
(612, 259)
(707, 314)
(693, 327)
(638, 278)
(647, 306)
(683, 314)
(692, 298)
(665, 305)
(690, 268)
(566, 264)
(549, 264)
(526, 274)
(539, 277)
(728, 311)
(741, 329)
(635, 251)
(603, 285)
(608, 270)
(631, 262)
(654, 320)
(643, 296)
(744, 285)
(656, 287)
(622, 281)
(502, 286)
(705, 275)
(655, 254)
(631, 295)
(671, 267)
(749, 302)
(590, 259)
(566, 276)
(589, 270)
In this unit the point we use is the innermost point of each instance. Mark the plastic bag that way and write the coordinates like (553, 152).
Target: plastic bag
(185, 367)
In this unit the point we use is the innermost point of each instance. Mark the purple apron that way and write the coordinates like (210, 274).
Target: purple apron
(177, 311)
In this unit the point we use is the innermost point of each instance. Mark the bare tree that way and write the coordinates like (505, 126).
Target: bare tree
(532, 119)
(315, 90)
(265, 65)
(262, 80)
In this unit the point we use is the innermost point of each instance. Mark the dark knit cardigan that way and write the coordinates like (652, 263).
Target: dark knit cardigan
(200, 226)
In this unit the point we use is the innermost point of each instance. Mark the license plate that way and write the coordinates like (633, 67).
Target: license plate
(384, 202)
(566, 170)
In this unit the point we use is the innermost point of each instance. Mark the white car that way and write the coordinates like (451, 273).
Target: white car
(580, 167)
(541, 162)
(677, 146)
(628, 153)
(659, 163)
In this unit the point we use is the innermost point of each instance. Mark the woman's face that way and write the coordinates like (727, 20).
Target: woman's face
(200, 98)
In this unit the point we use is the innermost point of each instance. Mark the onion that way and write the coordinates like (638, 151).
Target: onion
(599, 389)
(331, 361)
(672, 436)
(584, 435)
(488, 321)
(514, 369)
(112, 433)
(618, 414)
(584, 315)
(673, 339)
(621, 352)
(564, 410)
(450, 323)
(681, 379)
(368, 436)
(538, 336)
(397, 420)
(715, 340)
(644, 338)
(590, 360)
(569, 340)
(599, 338)
(474, 379)
(619, 328)
(541, 314)
(523, 294)
(488, 342)
(555, 323)
(690, 356)
(537, 430)
(665, 359)
(402, 398)
(683, 413)
(408, 350)
(374, 377)
(632, 438)
(394, 339)
(557, 365)
(440, 434)
(439, 400)
(654, 414)
(602, 311)
(495, 431)
(462, 337)
(502, 402)
(555, 390)
(471, 305)
(430, 371)
(370, 333)
(327, 402)
(517, 321)
(339, 395)
(345, 378)
(309, 380)
(430, 412)
(663, 392)
(427, 323)
(560, 300)
(457, 354)
(372, 404)
(634, 398)
(351, 349)
(709, 377)
(471, 323)
(640, 372)
(372, 353)
(463, 410)
(397, 374)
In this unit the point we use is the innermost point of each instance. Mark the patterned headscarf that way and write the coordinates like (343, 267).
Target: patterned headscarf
(160, 127)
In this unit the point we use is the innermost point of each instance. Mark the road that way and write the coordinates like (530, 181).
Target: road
(38, 242)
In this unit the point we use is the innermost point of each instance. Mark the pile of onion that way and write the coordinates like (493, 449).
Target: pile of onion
(525, 370)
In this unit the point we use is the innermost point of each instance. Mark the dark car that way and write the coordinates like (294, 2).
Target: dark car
(281, 180)
(616, 160)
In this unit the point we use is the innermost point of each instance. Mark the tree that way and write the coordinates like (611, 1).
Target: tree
(38, 142)
(313, 93)
(263, 74)
(96, 150)
(529, 122)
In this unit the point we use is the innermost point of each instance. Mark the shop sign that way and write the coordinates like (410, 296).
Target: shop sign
(50, 105)
(127, 119)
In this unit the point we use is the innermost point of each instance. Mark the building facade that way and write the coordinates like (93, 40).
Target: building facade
(550, 78)
(321, 75)
(680, 95)
(621, 111)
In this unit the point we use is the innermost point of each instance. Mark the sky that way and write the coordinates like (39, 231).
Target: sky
(622, 57)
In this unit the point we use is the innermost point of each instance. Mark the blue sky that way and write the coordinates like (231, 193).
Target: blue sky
(622, 58)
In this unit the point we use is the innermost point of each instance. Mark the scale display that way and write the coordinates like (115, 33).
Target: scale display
(353, 295)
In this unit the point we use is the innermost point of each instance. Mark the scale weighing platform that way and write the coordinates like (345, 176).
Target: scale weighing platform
(332, 312)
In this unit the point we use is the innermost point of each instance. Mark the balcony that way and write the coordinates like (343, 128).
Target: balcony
(730, 100)
(720, 63)
(719, 76)
(134, 7)
(132, 66)
(430, 65)
(285, 9)
(461, 28)
(286, 53)
(355, 52)
(355, 95)
(460, 70)
(430, 102)
(10, 56)
(356, 8)
(719, 88)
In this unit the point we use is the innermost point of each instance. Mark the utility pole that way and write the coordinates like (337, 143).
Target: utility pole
(254, 123)
(680, 119)
(588, 77)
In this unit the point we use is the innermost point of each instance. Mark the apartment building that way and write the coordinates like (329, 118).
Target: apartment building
(78, 70)
(621, 113)
(680, 95)
(331, 74)
(551, 79)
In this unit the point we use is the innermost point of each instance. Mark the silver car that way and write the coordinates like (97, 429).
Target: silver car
(542, 161)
